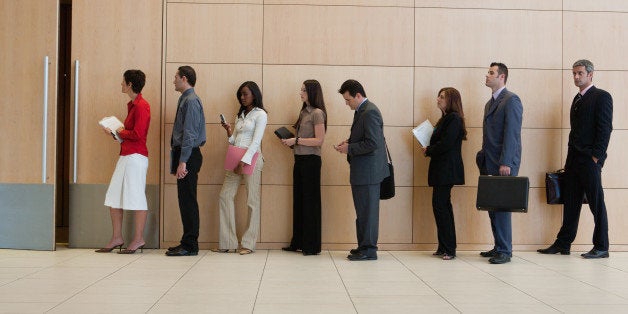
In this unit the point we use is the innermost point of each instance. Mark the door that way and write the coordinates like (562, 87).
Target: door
(109, 37)
(28, 37)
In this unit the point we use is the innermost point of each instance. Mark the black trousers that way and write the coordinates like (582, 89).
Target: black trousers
(306, 205)
(444, 216)
(188, 204)
(583, 176)
(366, 202)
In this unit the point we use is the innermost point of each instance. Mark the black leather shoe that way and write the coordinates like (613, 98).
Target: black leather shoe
(354, 251)
(174, 248)
(289, 249)
(499, 258)
(181, 252)
(310, 253)
(361, 257)
(490, 253)
(553, 249)
(595, 254)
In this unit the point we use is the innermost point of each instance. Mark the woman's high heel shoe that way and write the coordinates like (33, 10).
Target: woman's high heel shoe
(109, 249)
(129, 251)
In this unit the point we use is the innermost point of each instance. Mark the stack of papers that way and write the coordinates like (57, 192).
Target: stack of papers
(113, 124)
(423, 133)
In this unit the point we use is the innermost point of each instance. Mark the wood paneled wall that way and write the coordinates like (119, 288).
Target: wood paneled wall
(403, 52)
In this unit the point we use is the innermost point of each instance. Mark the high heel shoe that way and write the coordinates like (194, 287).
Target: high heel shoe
(109, 249)
(129, 251)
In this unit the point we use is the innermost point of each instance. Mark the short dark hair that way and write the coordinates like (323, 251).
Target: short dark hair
(137, 78)
(501, 69)
(257, 96)
(188, 72)
(353, 87)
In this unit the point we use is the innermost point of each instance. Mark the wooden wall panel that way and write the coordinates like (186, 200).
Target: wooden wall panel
(118, 47)
(334, 39)
(473, 38)
(27, 35)
(403, 52)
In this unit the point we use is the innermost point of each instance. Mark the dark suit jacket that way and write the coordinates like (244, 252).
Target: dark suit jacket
(446, 165)
(501, 140)
(591, 125)
(367, 151)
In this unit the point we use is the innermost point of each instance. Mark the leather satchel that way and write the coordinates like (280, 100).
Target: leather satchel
(387, 187)
(554, 187)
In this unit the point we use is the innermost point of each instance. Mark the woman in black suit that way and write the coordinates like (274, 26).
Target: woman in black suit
(446, 168)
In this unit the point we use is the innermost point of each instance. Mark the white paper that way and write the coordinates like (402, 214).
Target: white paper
(423, 133)
(112, 123)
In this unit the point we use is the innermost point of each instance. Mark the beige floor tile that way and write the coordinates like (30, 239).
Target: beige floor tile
(214, 306)
(403, 304)
(387, 288)
(32, 307)
(307, 308)
(108, 307)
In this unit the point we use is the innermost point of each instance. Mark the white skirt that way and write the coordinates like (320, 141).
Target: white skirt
(127, 189)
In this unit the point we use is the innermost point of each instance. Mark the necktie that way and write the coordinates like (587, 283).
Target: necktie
(576, 101)
(492, 104)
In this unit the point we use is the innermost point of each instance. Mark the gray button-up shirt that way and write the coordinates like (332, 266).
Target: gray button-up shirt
(189, 124)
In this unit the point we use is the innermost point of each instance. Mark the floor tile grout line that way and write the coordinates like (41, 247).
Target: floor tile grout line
(423, 281)
(177, 281)
(342, 280)
(259, 286)
(581, 281)
(515, 287)
(93, 283)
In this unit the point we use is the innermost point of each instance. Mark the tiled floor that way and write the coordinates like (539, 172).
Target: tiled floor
(80, 281)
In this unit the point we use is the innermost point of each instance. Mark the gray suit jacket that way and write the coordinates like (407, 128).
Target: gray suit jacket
(501, 139)
(367, 151)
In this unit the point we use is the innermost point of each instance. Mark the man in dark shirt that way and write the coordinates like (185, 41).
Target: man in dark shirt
(591, 119)
(188, 135)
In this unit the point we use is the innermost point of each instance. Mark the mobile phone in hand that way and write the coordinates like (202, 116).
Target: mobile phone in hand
(222, 119)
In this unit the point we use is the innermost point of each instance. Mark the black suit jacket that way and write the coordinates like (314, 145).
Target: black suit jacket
(591, 121)
(446, 165)
(367, 151)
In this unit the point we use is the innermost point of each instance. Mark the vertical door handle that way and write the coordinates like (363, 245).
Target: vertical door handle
(45, 124)
(76, 97)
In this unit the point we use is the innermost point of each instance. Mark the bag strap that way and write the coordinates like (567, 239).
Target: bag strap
(387, 151)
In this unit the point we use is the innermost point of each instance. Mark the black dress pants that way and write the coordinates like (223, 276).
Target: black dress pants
(583, 176)
(188, 204)
(444, 216)
(306, 205)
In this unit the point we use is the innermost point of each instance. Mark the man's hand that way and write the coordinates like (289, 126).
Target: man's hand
(342, 148)
(504, 170)
(181, 171)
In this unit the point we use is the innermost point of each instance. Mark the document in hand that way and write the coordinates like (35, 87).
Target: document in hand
(423, 133)
(234, 155)
(112, 123)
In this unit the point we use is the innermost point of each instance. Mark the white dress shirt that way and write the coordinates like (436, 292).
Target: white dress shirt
(248, 132)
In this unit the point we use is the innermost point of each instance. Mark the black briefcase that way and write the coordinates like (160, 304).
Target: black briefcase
(503, 193)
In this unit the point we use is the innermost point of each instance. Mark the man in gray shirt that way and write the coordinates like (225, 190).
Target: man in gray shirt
(188, 135)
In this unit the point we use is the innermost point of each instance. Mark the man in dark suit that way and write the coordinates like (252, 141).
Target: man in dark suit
(501, 152)
(368, 164)
(591, 119)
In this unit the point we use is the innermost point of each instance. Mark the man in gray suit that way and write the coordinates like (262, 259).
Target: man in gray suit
(501, 152)
(366, 154)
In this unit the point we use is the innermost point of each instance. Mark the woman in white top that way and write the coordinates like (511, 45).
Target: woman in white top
(248, 133)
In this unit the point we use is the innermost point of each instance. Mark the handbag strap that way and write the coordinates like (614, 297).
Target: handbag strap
(387, 151)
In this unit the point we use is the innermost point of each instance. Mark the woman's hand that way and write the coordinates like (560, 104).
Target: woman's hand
(289, 141)
(238, 168)
(227, 127)
(424, 151)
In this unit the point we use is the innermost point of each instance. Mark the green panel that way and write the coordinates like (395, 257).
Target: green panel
(90, 223)
(27, 216)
